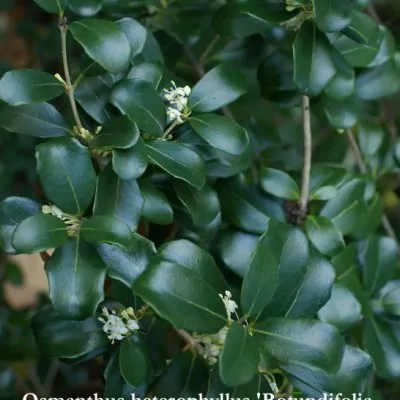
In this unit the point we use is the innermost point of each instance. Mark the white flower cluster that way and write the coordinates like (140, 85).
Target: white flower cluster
(177, 97)
(212, 344)
(71, 221)
(117, 327)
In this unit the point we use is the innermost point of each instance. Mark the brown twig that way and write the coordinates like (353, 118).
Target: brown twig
(305, 181)
(70, 87)
(189, 340)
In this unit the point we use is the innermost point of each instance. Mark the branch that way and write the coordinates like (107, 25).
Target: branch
(363, 168)
(189, 340)
(70, 88)
(305, 181)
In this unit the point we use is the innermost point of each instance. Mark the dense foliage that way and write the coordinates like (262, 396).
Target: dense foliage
(214, 178)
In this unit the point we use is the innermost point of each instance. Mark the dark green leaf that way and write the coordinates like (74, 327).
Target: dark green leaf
(178, 160)
(221, 132)
(291, 249)
(331, 15)
(239, 208)
(139, 100)
(105, 229)
(370, 138)
(381, 342)
(261, 279)
(40, 120)
(238, 367)
(377, 256)
(61, 337)
(342, 310)
(341, 113)
(235, 249)
(353, 376)
(119, 133)
(387, 48)
(193, 257)
(307, 343)
(390, 302)
(76, 276)
(126, 264)
(70, 186)
(133, 361)
(314, 291)
(378, 82)
(218, 389)
(13, 211)
(131, 163)
(203, 205)
(218, 87)
(149, 72)
(186, 376)
(183, 295)
(39, 233)
(119, 198)
(26, 86)
(104, 42)
(313, 62)
(156, 207)
(344, 209)
(52, 6)
(325, 237)
(279, 184)
(362, 29)
(93, 93)
(136, 34)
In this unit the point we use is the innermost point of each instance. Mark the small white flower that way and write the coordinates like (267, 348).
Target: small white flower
(230, 305)
(177, 97)
(114, 325)
(173, 114)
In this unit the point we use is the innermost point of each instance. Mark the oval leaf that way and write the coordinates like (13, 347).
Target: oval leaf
(70, 186)
(39, 233)
(104, 42)
(279, 184)
(25, 86)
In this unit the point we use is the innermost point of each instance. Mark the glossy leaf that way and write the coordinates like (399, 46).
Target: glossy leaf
(220, 132)
(105, 229)
(353, 376)
(118, 198)
(119, 133)
(313, 63)
(52, 6)
(126, 264)
(130, 163)
(331, 15)
(326, 238)
(25, 86)
(156, 207)
(237, 368)
(377, 257)
(308, 343)
(40, 120)
(181, 296)
(149, 72)
(261, 279)
(139, 100)
(136, 34)
(178, 160)
(279, 184)
(76, 276)
(390, 302)
(218, 87)
(202, 205)
(133, 361)
(13, 211)
(100, 39)
(70, 186)
(39, 233)
(342, 310)
(85, 8)
(343, 210)
(66, 338)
